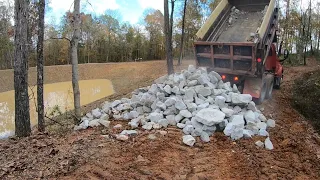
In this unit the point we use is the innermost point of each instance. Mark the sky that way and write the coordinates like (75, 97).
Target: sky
(131, 10)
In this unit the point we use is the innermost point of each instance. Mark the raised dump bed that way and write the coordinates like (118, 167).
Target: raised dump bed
(236, 34)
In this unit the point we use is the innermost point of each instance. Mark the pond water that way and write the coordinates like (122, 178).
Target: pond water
(58, 97)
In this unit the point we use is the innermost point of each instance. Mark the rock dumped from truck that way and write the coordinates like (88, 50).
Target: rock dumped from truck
(242, 26)
(196, 101)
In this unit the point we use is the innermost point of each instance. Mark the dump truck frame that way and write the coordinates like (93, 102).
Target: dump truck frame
(254, 66)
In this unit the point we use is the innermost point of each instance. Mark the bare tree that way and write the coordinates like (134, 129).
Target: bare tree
(182, 32)
(40, 106)
(168, 34)
(74, 58)
(22, 114)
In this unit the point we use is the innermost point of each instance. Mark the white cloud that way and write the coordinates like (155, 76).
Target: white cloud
(59, 7)
(155, 4)
(100, 6)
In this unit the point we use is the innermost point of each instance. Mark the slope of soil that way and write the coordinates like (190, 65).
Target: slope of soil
(306, 97)
(88, 155)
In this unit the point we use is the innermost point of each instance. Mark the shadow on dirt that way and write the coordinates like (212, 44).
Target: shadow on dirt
(306, 97)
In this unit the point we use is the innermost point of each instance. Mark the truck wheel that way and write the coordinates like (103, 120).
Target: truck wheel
(270, 85)
(262, 93)
(277, 82)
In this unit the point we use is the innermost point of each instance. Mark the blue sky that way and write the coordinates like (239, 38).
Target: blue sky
(131, 10)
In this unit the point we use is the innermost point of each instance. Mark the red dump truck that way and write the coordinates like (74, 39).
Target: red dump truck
(240, 41)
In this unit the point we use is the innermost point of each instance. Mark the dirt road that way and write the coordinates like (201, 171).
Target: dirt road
(88, 155)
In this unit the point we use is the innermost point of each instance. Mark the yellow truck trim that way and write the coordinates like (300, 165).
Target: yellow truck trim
(266, 19)
(212, 18)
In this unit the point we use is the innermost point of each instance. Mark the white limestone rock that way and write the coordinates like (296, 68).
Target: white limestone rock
(271, 123)
(96, 113)
(185, 113)
(268, 144)
(188, 140)
(210, 116)
(240, 99)
(180, 105)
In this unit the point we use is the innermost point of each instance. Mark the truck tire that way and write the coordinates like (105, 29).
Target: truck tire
(277, 82)
(270, 85)
(262, 93)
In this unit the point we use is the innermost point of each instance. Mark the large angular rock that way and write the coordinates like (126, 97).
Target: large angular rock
(214, 74)
(155, 117)
(163, 122)
(105, 123)
(204, 91)
(268, 144)
(250, 117)
(96, 113)
(176, 90)
(203, 79)
(252, 106)
(153, 89)
(167, 89)
(161, 79)
(192, 83)
(271, 123)
(213, 78)
(129, 132)
(148, 126)
(188, 140)
(146, 109)
(170, 111)
(94, 123)
(161, 105)
(240, 99)
(237, 133)
(180, 105)
(178, 118)
(115, 103)
(204, 137)
(189, 94)
(170, 101)
(220, 101)
(188, 129)
(171, 120)
(227, 111)
(203, 106)
(185, 113)
(262, 125)
(181, 125)
(210, 116)
(191, 69)
(235, 127)
(191, 106)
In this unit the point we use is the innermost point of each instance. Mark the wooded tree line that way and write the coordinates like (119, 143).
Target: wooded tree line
(105, 38)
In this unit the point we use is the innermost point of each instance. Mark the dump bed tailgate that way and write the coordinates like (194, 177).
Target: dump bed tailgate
(231, 58)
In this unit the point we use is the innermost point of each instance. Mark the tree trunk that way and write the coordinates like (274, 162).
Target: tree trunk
(318, 43)
(41, 8)
(74, 58)
(22, 114)
(168, 38)
(182, 33)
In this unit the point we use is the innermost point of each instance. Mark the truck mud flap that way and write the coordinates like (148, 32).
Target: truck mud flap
(253, 87)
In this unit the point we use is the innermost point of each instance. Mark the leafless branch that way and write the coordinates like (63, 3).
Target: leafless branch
(35, 104)
(62, 38)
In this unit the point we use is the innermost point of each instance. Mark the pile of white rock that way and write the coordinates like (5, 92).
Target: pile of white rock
(196, 101)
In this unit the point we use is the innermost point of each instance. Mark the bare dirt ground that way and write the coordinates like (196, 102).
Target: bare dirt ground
(89, 155)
